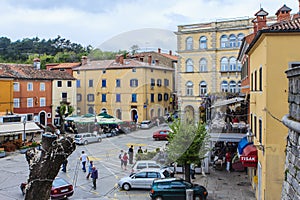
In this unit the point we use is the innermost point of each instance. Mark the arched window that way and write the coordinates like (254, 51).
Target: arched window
(240, 38)
(189, 66)
(232, 64)
(239, 86)
(224, 41)
(189, 88)
(203, 65)
(224, 86)
(203, 87)
(224, 64)
(232, 87)
(203, 42)
(189, 43)
(232, 41)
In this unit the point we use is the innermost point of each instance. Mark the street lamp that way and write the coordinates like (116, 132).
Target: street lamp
(24, 133)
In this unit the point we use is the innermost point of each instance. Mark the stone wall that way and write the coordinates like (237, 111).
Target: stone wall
(291, 184)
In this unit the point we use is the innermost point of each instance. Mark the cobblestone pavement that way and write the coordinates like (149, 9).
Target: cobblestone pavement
(224, 185)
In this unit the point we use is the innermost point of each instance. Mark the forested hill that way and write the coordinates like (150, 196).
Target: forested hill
(49, 51)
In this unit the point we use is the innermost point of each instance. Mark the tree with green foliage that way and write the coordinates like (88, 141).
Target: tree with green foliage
(188, 143)
(63, 111)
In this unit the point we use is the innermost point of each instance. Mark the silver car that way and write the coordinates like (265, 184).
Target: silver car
(85, 138)
(146, 124)
(143, 179)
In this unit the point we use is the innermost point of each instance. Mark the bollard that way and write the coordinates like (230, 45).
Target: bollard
(189, 194)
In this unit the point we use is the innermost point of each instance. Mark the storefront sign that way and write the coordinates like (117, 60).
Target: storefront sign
(249, 161)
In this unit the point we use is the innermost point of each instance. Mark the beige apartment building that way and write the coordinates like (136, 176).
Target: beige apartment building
(124, 88)
(208, 62)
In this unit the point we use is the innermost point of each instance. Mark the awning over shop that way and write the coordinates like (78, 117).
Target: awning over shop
(242, 144)
(18, 128)
(249, 156)
(227, 102)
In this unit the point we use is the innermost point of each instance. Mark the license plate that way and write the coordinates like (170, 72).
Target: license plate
(65, 190)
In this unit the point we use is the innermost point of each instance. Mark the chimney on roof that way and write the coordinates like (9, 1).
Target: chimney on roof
(36, 63)
(117, 59)
(170, 52)
(283, 14)
(261, 19)
(84, 60)
(149, 59)
(156, 62)
(159, 50)
(122, 60)
(254, 21)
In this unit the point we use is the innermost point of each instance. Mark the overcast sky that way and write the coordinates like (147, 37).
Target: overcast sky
(96, 21)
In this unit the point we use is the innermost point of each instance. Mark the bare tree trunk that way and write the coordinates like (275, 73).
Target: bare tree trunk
(45, 164)
(187, 174)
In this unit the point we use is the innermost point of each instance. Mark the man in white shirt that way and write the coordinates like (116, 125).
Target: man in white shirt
(84, 158)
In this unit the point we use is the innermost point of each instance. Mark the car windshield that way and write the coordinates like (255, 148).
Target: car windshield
(59, 182)
(78, 136)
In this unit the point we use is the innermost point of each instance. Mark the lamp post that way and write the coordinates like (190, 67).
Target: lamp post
(24, 133)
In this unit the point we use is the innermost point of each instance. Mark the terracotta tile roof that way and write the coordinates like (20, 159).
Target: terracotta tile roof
(23, 71)
(112, 64)
(293, 24)
(64, 65)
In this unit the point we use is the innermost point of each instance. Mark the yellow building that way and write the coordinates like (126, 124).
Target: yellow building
(124, 88)
(270, 53)
(6, 94)
(208, 61)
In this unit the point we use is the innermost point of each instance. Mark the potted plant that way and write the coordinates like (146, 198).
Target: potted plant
(2, 153)
(23, 149)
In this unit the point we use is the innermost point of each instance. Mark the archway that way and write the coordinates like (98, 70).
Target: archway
(151, 113)
(42, 117)
(119, 113)
(134, 115)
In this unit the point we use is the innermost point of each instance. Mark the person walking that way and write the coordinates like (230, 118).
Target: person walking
(157, 122)
(192, 170)
(83, 158)
(139, 152)
(64, 165)
(94, 176)
(90, 170)
(125, 159)
(130, 153)
(121, 158)
(228, 161)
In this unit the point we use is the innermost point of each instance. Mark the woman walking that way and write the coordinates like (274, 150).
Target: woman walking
(125, 160)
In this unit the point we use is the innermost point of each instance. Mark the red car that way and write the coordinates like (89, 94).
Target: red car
(161, 135)
(61, 189)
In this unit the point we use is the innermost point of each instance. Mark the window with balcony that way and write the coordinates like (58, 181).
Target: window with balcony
(224, 64)
(232, 87)
(232, 64)
(152, 82)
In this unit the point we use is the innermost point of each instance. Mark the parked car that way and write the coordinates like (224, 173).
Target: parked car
(146, 124)
(86, 138)
(142, 179)
(127, 126)
(174, 188)
(146, 164)
(61, 189)
(161, 134)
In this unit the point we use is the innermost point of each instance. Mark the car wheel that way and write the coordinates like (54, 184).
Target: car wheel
(85, 142)
(100, 140)
(126, 186)
(158, 198)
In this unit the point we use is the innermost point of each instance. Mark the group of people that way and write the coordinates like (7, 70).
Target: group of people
(126, 157)
(92, 171)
